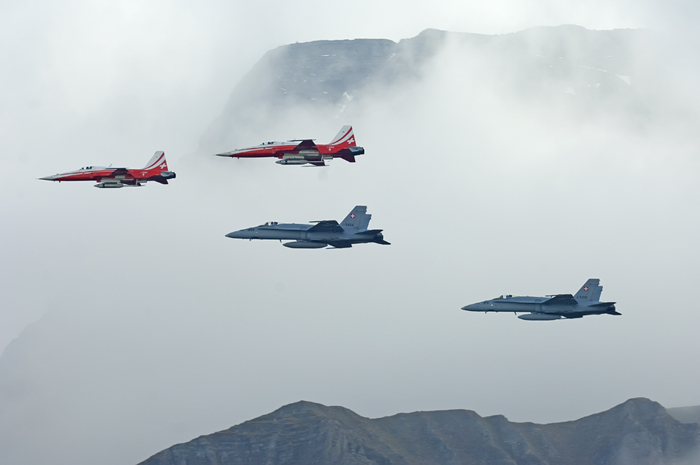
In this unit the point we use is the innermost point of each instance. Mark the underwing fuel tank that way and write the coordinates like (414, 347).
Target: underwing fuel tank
(109, 185)
(539, 317)
(304, 245)
(301, 158)
(292, 161)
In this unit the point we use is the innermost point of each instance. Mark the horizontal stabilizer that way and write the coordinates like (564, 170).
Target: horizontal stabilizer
(378, 237)
(349, 153)
(609, 306)
(330, 226)
(158, 178)
(561, 299)
(602, 304)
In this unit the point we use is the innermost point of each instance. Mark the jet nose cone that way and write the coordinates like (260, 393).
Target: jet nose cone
(471, 307)
(242, 234)
(48, 178)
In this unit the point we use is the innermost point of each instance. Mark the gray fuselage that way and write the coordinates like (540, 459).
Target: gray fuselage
(352, 230)
(300, 232)
(525, 304)
(273, 231)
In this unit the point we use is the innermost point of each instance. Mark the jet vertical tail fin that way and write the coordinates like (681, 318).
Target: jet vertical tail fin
(157, 161)
(356, 219)
(589, 292)
(364, 224)
(344, 138)
(344, 146)
(158, 169)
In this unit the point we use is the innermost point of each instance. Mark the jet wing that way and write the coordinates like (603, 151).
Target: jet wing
(119, 172)
(329, 226)
(116, 172)
(561, 299)
(305, 144)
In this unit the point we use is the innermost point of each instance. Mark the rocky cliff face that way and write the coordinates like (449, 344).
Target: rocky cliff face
(588, 69)
(638, 431)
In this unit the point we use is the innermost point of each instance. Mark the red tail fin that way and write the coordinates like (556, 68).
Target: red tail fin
(344, 138)
(157, 162)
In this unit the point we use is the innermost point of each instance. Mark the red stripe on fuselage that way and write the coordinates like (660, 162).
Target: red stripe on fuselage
(278, 151)
(96, 175)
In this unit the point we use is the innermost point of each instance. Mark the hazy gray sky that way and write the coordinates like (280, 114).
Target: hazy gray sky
(153, 328)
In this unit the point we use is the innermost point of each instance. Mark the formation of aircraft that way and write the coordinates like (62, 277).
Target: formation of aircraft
(319, 234)
(352, 230)
(304, 151)
(551, 307)
(111, 178)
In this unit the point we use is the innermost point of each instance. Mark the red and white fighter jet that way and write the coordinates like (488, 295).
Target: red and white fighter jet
(303, 151)
(112, 178)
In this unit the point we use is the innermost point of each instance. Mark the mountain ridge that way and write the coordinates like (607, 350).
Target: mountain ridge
(333, 78)
(637, 431)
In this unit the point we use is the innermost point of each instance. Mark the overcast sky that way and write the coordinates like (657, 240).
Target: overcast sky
(151, 328)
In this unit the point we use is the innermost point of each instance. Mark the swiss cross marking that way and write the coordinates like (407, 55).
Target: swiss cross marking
(352, 215)
(585, 288)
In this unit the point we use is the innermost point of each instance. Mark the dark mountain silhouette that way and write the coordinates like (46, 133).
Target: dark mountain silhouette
(585, 68)
(638, 432)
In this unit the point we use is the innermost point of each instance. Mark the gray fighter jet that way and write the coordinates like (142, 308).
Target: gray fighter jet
(353, 230)
(551, 307)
